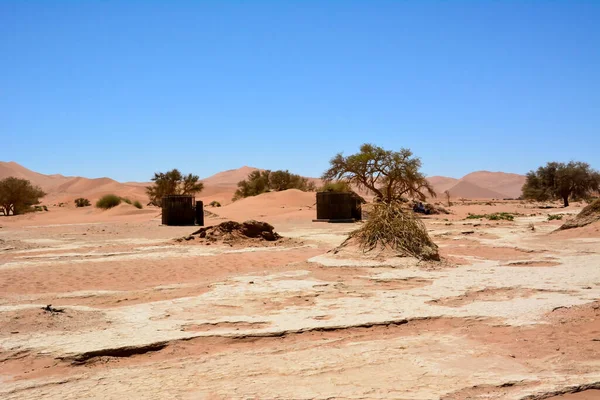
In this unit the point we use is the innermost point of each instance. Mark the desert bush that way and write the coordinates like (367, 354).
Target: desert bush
(391, 227)
(108, 201)
(126, 200)
(553, 217)
(81, 202)
(338, 186)
(575, 180)
(447, 194)
(259, 182)
(137, 204)
(45, 208)
(215, 204)
(18, 195)
(172, 183)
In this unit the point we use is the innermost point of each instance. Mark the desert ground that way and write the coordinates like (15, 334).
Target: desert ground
(511, 311)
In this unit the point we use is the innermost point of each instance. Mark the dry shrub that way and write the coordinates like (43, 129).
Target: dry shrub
(390, 227)
(588, 215)
(234, 232)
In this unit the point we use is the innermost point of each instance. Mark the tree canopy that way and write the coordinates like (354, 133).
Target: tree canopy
(387, 174)
(574, 180)
(173, 183)
(259, 182)
(17, 195)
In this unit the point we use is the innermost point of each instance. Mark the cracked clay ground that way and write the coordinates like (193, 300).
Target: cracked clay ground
(512, 313)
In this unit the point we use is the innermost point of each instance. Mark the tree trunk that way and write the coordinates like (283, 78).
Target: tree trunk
(566, 200)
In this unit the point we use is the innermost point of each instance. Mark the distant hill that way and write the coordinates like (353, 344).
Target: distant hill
(221, 186)
(507, 184)
(480, 185)
(61, 188)
(442, 183)
(230, 177)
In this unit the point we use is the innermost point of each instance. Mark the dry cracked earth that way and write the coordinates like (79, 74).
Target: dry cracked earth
(511, 313)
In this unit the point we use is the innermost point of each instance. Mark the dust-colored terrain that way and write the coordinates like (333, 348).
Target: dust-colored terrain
(512, 311)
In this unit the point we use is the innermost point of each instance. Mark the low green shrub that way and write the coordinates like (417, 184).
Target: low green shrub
(493, 217)
(108, 201)
(126, 200)
(137, 204)
(553, 217)
(476, 216)
(215, 204)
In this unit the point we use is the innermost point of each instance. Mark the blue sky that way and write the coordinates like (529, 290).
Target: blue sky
(126, 88)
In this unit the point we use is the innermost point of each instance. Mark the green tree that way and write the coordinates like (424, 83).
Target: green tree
(259, 182)
(574, 180)
(173, 183)
(388, 174)
(17, 195)
(284, 180)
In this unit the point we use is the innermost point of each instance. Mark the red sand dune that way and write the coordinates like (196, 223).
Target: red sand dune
(507, 184)
(230, 177)
(480, 185)
(222, 186)
(442, 183)
(271, 204)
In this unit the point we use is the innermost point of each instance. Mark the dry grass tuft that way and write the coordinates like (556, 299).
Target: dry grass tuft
(390, 227)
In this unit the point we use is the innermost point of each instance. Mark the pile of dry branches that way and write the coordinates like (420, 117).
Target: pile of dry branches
(390, 227)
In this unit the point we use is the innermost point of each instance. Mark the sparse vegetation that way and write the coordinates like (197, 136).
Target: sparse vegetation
(447, 194)
(81, 202)
(215, 203)
(108, 201)
(391, 227)
(137, 204)
(126, 200)
(553, 217)
(387, 174)
(259, 182)
(493, 217)
(575, 180)
(172, 183)
(338, 186)
(18, 195)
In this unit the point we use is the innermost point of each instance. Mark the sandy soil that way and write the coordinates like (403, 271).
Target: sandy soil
(510, 313)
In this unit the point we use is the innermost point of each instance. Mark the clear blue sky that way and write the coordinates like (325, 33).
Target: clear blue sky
(126, 88)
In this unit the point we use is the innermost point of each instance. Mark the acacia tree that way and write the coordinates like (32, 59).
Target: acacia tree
(575, 180)
(388, 174)
(17, 195)
(173, 183)
(259, 182)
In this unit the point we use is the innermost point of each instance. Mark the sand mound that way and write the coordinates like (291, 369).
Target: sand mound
(588, 215)
(127, 209)
(267, 205)
(231, 232)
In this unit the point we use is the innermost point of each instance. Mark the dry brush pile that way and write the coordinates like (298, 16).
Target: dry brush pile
(231, 232)
(389, 227)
